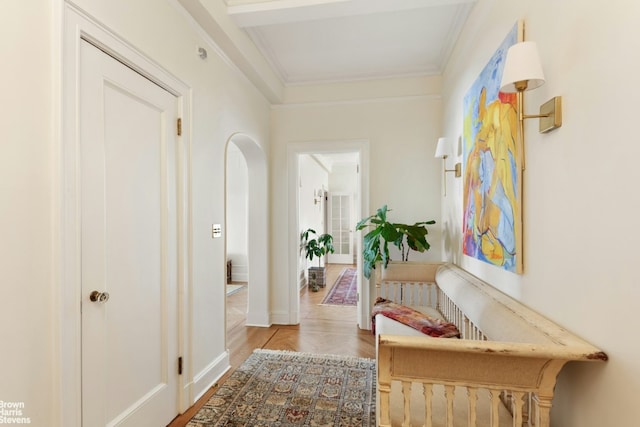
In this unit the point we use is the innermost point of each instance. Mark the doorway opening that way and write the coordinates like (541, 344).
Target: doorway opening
(237, 267)
(312, 204)
(246, 239)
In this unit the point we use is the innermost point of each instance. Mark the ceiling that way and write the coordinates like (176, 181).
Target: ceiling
(313, 41)
(329, 160)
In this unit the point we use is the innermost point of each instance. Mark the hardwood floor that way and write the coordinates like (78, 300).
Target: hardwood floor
(322, 329)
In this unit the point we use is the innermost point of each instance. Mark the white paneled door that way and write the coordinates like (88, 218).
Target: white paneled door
(341, 227)
(128, 206)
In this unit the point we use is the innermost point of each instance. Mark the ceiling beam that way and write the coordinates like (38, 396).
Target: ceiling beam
(257, 13)
(237, 46)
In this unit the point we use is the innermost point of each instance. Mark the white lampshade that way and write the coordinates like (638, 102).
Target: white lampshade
(442, 149)
(523, 63)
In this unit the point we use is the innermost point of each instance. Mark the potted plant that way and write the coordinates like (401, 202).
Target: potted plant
(375, 245)
(316, 247)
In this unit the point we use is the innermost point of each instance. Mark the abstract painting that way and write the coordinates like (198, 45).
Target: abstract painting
(492, 218)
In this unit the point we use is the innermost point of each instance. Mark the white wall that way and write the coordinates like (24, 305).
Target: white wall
(237, 214)
(223, 102)
(26, 198)
(312, 177)
(402, 129)
(344, 178)
(580, 209)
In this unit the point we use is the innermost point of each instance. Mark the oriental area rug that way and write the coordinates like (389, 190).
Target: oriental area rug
(285, 388)
(345, 290)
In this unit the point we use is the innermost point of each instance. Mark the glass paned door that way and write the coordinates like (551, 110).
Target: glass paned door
(341, 227)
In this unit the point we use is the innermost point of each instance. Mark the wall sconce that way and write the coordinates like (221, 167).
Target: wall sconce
(317, 196)
(522, 72)
(442, 151)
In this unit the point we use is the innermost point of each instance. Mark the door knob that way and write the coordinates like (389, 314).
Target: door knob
(96, 296)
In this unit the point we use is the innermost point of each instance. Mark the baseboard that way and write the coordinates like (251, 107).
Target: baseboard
(258, 319)
(240, 273)
(280, 318)
(238, 277)
(204, 379)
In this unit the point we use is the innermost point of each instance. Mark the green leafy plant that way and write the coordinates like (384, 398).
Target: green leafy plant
(375, 247)
(316, 246)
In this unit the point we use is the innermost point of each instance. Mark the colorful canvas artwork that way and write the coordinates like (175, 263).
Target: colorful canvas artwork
(492, 218)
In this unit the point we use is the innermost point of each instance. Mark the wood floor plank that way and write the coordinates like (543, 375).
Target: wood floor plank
(323, 329)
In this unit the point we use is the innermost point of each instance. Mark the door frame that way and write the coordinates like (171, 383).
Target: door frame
(294, 149)
(77, 25)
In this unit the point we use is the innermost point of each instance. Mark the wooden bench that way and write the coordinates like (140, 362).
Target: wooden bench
(502, 371)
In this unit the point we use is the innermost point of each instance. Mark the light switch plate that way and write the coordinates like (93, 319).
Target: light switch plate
(216, 230)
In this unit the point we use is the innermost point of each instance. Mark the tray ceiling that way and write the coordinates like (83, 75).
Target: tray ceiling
(311, 41)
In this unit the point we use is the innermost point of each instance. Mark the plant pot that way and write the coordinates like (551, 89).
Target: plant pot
(316, 277)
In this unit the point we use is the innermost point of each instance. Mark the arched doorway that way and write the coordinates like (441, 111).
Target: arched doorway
(257, 228)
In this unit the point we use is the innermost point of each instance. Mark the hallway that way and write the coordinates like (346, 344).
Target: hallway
(323, 329)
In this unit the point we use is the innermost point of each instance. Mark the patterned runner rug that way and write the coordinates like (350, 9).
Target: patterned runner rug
(285, 388)
(345, 290)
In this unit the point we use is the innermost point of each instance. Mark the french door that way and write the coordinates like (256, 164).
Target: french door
(341, 226)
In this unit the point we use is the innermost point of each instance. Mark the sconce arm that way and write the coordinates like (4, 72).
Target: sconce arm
(535, 116)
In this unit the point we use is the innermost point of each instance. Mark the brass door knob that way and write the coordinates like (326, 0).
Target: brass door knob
(97, 296)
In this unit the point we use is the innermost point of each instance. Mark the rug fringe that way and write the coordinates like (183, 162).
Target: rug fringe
(314, 355)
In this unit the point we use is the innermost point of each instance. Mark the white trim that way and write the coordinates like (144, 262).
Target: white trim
(62, 391)
(240, 273)
(79, 25)
(337, 77)
(206, 26)
(270, 57)
(455, 29)
(252, 13)
(355, 101)
(210, 375)
(294, 149)
(257, 228)
(362, 78)
(281, 317)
